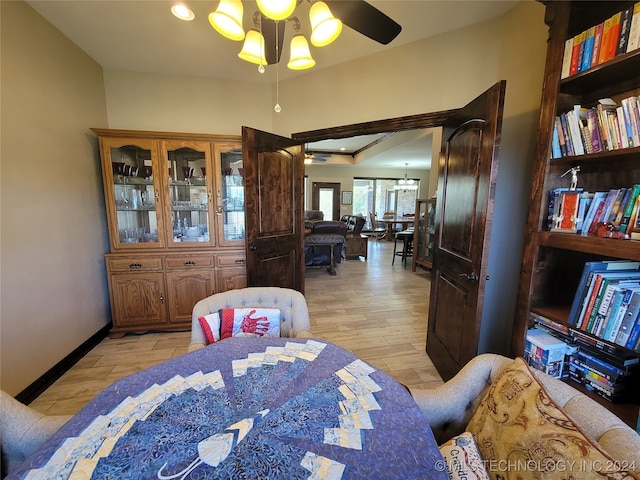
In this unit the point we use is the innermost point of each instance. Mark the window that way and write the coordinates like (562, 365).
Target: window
(378, 195)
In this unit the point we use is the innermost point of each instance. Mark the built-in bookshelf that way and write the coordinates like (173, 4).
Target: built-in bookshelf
(599, 161)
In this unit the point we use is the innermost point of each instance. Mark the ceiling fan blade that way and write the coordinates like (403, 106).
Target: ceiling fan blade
(269, 34)
(366, 19)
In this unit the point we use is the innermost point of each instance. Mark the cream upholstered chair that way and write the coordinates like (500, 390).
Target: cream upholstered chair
(23, 430)
(449, 407)
(294, 321)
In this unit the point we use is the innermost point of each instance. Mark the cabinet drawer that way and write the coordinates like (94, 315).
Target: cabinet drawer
(189, 261)
(237, 260)
(131, 264)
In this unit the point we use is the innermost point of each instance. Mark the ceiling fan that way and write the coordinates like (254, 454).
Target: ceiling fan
(315, 157)
(356, 14)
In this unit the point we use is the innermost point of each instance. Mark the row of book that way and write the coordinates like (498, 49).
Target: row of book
(607, 126)
(577, 211)
(607, 302)
(609, 373)
(616, 35)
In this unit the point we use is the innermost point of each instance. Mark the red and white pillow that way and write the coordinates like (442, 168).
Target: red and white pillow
(236, 322)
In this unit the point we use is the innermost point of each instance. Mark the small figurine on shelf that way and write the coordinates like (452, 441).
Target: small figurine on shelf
(574, 177)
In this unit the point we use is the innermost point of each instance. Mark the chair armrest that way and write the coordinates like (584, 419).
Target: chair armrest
(449, 407)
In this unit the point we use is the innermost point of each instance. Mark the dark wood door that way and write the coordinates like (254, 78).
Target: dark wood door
(274, 198)
(316, 188)
(466, 190)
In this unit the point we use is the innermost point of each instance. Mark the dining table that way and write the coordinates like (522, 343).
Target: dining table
(404, 222)
(247, 407)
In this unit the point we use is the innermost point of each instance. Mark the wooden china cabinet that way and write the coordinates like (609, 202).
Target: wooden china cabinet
(424, 233)
(175, 211)
(553, 261)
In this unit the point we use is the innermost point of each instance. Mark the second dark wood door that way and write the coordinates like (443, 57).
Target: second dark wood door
(274, 197)
(466, 190)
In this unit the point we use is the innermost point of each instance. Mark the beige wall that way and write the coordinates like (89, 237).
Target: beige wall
(53, 284)
(140, 101)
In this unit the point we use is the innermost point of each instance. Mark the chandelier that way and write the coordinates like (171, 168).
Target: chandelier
(227, 19)
(406, 183)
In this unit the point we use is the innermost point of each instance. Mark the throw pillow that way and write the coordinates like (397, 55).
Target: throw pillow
(463, 460)
(522, 433)
(237, 322)
(210, 325)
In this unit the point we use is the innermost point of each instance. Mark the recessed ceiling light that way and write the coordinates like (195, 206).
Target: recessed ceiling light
(183, 12)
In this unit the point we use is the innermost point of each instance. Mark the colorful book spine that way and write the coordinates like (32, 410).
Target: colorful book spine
(625, 27)
(634, 30)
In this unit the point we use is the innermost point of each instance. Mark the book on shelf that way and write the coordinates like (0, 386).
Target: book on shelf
(603, 127)
(616, 35)
(589, 40)
(612, 394)
(634, 29)
(597, 43)
(566, 58)
(576, 50)
(588, 272)
(612, 354)
(604, 369)
(595, 206)
(629, 320)
(603, 297)
(629, 207)
(625, 27)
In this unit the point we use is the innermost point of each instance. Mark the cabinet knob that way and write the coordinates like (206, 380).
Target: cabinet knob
(252, 247)
(190, 263)
(135, 265)
(161, 298)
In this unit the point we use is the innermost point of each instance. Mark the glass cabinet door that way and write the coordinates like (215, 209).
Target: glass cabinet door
(230, 194)
(188, 166)
(133, 205)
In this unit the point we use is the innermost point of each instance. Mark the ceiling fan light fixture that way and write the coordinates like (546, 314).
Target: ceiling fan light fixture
(227, 19)
(183, 12)
(277, 9)
(325, 28)
(253, 48)
(300, 55)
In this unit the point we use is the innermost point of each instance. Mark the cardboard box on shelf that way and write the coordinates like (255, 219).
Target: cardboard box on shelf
(545, 352)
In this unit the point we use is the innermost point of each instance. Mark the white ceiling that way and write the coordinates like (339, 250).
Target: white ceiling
(143, 36)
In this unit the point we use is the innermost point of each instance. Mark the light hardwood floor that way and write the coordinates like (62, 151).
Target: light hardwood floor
(376, 310)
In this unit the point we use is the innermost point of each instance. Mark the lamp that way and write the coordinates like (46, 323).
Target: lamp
(253, 48)
(227, 19)
(325, 28)
(277, 9)
(406, 183)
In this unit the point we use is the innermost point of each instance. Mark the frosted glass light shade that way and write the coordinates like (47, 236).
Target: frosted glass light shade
(300, 55)
(227, 19)
(277, 9)
(325, 28)
(253, 48)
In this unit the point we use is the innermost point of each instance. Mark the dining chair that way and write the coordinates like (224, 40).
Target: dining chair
(294, 313)
(378, 231)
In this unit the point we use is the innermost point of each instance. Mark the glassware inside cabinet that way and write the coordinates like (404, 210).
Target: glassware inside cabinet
(134, 194)
(232, 195)
(188, 194)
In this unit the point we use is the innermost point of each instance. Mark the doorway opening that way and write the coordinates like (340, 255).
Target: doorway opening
(325, 196)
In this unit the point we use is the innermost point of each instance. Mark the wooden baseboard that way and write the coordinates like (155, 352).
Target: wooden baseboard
(34, 390)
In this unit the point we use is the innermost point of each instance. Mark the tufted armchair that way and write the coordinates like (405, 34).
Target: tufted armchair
(23, 430)
(449, 407)
(294, 320)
